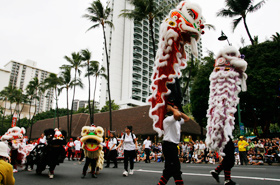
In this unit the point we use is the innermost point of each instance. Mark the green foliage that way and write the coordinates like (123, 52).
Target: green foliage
(86, 110)
(260, 105)
(200, 90)
(106, 107)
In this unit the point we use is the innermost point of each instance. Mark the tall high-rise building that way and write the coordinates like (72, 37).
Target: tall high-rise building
(131, 57)
(20, 75)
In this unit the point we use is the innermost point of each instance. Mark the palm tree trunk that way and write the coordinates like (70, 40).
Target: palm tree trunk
(32, 120)
(247, 30)
(29, 120)
(11, 112)
(89, 107)
(68, 128)
(108, 76)
(72, 105)
(94, 98)
(20, 113)
(39, 102)
(57, 113)
(4, 113)
(152, 36)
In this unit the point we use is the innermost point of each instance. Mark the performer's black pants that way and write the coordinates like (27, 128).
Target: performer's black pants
(52, 167)
(112, 155)
(243, 157)
(172, 167)
(93, 165)
(147, 152)
(228, 161)
(14, 155)
(129, 154)
(70, 153)
(82, 155)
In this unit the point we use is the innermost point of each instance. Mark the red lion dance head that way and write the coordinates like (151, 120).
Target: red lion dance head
(184, 25)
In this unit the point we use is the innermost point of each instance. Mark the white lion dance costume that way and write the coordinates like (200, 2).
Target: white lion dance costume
(225, 81)
(19, 149)
(183, 26)
(92, 139)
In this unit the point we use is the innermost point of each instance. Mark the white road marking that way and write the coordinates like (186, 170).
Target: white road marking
(208, 175)
(235, 167)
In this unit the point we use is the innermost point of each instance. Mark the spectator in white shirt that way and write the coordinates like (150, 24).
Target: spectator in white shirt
(147, 148)
(77, 143)
(201, 147)
(129, 142)
(112, 155)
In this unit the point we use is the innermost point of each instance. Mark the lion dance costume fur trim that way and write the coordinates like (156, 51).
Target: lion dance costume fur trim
(92, 137)
(15, 134)
(184, 25)
(225, 81)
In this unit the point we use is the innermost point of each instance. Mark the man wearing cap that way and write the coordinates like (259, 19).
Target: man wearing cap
(6, 170)
(242, 144)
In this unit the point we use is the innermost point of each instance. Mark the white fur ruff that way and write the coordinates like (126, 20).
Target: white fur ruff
(223, 99)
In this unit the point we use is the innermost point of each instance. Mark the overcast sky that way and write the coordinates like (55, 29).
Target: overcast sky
(45, 31)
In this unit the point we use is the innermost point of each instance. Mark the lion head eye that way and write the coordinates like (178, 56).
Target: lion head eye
(193, 13)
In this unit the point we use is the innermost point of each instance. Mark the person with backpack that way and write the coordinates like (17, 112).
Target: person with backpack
(112, 155)
(129, 142)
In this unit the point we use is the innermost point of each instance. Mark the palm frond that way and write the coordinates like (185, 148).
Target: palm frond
(109, 23)
(227, 13)
(256, 7)
(236, 22)
(94, 26)
(210, 26)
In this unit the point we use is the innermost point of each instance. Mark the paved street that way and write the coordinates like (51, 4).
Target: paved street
(148, 174)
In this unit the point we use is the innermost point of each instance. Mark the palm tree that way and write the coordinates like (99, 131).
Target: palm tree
(32, 92)
(11, 91)
(23, 101)
(75, 63)
(147, 9)
(4, 96)
(99, 15)
(52, 82)
(86, 56)
(96, 71)
(67, 83)
(41, 92)
(240, 8)
(276, 37)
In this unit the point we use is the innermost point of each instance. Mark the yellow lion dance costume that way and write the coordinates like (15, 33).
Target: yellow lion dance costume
(92, 137)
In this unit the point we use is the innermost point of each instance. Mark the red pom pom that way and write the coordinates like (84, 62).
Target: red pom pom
(201, 26)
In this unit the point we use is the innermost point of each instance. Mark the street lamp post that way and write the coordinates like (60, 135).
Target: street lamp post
(224, 37)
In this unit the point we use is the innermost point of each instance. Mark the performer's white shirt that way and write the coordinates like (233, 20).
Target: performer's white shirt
(147, 143)
(43, 140)
(112, 141)
(128, 142)
(201, 146)
(172, 129)
(77, 145)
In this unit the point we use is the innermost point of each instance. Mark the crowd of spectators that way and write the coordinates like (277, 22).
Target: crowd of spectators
(257, 152)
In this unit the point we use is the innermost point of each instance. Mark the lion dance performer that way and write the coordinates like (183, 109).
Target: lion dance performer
(184, 25)
(50, 154)
(92, 138)
(225, 81)
(19, 149)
